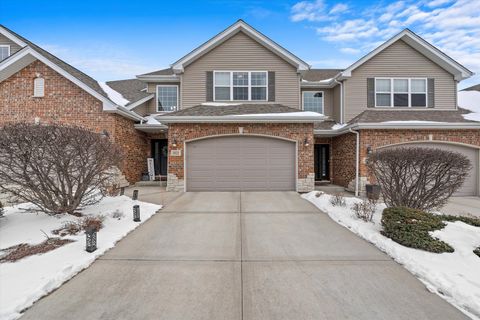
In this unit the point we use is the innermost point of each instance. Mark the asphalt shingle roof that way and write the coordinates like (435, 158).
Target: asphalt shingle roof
(131, 89)
(376, 116)
(320, 74)
(215, 110)
(473, 88)
(89, 81)
(163, 72)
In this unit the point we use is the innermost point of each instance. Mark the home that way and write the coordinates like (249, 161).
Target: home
(240, 112)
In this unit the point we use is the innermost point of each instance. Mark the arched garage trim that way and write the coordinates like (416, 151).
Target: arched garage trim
(185, 155)
(441, 142)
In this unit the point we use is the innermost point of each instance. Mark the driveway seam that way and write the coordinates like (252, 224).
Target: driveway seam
(241, 254)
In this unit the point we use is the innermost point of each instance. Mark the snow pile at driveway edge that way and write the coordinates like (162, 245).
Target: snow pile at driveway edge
(25, 281)
(453, 276)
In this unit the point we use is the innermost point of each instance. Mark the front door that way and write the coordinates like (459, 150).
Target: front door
(321, 161)
(159, 155)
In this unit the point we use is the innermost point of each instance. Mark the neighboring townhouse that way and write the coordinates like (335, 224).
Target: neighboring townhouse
(240, 112)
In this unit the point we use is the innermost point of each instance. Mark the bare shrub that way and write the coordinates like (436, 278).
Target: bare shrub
(419, 178)
(92, 222)
(57, 168)
(338, 199)
(68, 228)
(117, 214)
(2, 210)
(23, 250)
(365, 209)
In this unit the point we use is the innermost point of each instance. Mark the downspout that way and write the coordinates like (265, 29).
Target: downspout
(357, 158)
(341, 99)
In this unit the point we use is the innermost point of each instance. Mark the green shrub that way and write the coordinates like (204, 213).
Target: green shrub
(411, 227)
(477, 251)
(468, 220)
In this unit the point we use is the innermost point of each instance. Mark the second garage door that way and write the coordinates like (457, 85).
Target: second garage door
(240, 163)
(470, 186)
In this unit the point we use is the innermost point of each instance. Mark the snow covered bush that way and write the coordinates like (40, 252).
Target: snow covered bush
(338, 199)
(411, 227)
(419, 178)
(57, 168)
(364, 209)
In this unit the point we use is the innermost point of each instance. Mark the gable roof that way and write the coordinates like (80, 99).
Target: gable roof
(421, 45)
(320, 74)
(473, 88)
(238, 26)
(31, 51)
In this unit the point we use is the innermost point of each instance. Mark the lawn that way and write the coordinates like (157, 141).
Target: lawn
(454, 276)
(28, 279)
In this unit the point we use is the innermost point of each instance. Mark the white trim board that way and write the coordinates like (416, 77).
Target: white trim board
(240, 25)
(12, 37)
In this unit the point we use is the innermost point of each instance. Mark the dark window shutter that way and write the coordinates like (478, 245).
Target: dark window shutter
(209, 86)
(431, 92)
(271, 86)
(370, 92)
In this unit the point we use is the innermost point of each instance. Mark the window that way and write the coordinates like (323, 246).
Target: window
(240, 85)
(38, 87)
(313, 101)
(4, 52)
(167, 98)
(401, 92)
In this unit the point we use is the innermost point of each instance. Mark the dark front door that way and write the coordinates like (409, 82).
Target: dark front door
(159, 155)
(322, 163)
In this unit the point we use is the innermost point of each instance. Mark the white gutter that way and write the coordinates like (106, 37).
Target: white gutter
(341, 100)
(400, 126)
(126, 113)
(357, 159)
(159, 78)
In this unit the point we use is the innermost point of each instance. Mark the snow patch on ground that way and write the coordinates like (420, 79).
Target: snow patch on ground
(453, 276)
(113, 95)
(27, 280)
(470, 100)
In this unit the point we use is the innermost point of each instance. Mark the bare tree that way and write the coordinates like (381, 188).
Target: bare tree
(57, 168)
(416, 177)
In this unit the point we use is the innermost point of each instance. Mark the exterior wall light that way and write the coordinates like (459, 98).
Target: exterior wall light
(105, 134)
(369, 150)
(305, 142)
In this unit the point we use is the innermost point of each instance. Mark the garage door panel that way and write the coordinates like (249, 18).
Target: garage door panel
(470, 186)
(236, 163)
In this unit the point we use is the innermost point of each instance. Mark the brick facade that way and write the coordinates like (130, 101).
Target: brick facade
(343, 148)
(66, 103)
(179, 133)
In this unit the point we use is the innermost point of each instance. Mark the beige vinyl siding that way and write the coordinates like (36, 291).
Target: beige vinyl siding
(242, 53)
(327, 99)
(398, 60)
(13, 46)
(151, 105)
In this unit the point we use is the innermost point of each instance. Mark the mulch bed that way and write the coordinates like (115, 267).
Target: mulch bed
(23, 250)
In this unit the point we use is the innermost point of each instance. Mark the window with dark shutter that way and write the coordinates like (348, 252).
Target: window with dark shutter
(271, 86)
(370, 92)
(209, 86)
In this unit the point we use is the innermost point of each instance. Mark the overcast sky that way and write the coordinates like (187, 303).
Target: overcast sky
(114, 40)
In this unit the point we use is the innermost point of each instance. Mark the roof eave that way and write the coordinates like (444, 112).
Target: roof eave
(239, 119)
(399, 126)
(158, 78)
(178, 66)
(139, 102)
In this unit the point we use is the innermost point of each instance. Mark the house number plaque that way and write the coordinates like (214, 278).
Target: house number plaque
(176, 153)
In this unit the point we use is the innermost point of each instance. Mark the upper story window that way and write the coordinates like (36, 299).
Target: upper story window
(240, 85)
(38, 87)
(313, 101)
(167, 98)
(400, 92)
(4, 52)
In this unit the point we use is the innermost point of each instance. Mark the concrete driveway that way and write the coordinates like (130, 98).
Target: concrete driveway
(243, 256)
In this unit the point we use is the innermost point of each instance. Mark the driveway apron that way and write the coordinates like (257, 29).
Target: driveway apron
(243, 255)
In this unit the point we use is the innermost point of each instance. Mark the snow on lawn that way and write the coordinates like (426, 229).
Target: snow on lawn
(27, 280)
(454, 276)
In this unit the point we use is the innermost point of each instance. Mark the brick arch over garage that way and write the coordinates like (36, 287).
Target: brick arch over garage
(180, 133)
(377, 139)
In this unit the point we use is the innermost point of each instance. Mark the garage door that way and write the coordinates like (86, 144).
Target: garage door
(240, 163)
(470, 186)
